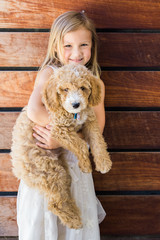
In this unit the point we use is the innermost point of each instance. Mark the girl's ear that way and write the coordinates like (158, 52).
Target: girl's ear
(50, 95)
(95, 96)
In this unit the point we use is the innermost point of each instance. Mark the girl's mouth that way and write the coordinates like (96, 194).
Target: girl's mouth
(76, 60)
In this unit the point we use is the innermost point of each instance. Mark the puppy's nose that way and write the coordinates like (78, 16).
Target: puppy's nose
(75, 105)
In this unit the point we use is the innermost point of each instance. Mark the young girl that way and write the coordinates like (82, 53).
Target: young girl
(72, 40)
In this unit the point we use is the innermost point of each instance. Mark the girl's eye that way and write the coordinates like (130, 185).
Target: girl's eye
(82, 88)
(65, 90)
(84, 45)
(67, 46)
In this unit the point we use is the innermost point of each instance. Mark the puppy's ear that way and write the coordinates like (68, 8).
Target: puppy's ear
(50, 95)
(95, 96)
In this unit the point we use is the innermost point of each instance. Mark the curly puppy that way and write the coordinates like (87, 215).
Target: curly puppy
(68, 96)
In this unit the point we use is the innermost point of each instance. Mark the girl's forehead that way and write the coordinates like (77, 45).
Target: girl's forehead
(81, 34)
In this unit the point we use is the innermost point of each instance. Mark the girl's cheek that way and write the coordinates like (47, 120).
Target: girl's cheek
(66, 55)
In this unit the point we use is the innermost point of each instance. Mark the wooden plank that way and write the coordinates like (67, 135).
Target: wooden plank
(7, 121)
(15, 88)
(8, 225)
(116, 49)
(123, 88)
(131, 215)
(132, 88)
(124, 129)
(130, 172)
(106, 14)
(129, 49)
(132, 130)
(22, 49)
(126, 215)
(8, 183)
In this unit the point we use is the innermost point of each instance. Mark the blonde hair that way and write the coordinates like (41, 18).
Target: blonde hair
(67, 22)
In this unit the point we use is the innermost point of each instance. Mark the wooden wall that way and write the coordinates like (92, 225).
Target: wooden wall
(129, 54)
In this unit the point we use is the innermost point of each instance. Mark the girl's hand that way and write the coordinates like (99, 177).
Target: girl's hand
(44, 137)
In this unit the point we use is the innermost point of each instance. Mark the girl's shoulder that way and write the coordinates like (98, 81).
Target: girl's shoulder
(43, 75)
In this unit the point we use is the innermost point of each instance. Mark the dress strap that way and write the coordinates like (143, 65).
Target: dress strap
(51, 66)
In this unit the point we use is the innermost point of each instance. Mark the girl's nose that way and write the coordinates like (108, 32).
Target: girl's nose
(76, 52)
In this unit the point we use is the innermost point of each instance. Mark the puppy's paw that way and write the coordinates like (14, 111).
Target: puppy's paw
(103, 164)
(106, 168)
(85, 166)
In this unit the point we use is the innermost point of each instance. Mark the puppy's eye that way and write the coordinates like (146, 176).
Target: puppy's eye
(82, 88)
(65, 90)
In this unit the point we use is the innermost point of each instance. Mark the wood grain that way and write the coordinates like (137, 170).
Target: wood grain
(129, 49)
(130, 172)
(15, 88)
(22, 49)
(132, 88)
(124, 129)
(126, 215)
(7, 121)
(8, 183)
(123, 88)
(8, 225)
(132, 129)
(106, 14)
(131, 215)
(115, 49)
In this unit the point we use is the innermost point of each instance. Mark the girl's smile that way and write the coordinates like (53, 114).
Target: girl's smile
(77, 46)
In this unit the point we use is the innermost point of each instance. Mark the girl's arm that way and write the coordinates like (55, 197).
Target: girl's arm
(38, 114)
(100, 110)
(36, 110)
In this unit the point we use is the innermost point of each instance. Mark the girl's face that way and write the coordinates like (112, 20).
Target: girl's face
(77, 46)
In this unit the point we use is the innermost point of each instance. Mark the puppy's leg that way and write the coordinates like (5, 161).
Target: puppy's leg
(98, 146)
(72, 142)
(61, 203)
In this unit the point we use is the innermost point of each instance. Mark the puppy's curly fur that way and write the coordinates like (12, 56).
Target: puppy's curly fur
(68, 95)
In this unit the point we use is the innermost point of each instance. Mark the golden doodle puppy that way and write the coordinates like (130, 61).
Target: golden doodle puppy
(69, 96)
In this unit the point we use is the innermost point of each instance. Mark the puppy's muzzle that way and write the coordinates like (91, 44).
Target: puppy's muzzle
(75, 105)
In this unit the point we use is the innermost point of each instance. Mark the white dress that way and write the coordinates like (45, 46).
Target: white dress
(36, 222)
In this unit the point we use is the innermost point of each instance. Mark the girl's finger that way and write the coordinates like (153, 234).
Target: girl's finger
(42, 131)
(49, 127)
(39, 138)
(41, 145)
